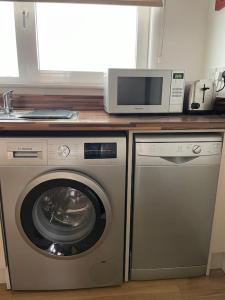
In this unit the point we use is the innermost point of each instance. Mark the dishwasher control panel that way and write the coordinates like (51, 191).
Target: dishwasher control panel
(178, 149)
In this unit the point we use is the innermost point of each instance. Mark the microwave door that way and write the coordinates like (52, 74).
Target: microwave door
(147, 94)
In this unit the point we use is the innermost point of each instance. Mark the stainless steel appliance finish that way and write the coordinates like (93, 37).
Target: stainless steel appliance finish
(49, 114)
(63, 202)
(40, 114)
(144, 91)
(201, 96)
(174, 194)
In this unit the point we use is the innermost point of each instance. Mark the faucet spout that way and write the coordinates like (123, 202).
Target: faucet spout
(7, 102)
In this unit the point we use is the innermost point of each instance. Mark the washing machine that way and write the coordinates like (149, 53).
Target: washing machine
(63, 211)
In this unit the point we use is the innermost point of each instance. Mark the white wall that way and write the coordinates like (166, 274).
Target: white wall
(184, 36)
(215, 54)
(215, 46)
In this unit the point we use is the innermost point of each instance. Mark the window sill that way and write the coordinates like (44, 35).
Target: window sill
(53, 89)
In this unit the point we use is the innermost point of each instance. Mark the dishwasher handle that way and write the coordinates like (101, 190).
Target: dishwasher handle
(144, 160)
(178, 160)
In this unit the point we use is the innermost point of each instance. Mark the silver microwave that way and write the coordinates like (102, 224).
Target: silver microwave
(143, 91)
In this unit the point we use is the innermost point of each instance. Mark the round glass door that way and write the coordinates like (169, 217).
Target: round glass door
(63, 217)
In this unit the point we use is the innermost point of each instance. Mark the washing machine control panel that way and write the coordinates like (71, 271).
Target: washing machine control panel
(62, 151)
(85, 150)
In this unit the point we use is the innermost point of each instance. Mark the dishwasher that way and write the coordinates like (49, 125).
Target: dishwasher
(174, 192)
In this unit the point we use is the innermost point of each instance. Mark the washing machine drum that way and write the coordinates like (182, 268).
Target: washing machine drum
(64, 213)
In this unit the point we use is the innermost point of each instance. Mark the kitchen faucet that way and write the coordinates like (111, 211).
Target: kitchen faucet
(7, 102)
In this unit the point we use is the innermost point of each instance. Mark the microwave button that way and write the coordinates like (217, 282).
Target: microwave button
(176, 90)
(176, 93)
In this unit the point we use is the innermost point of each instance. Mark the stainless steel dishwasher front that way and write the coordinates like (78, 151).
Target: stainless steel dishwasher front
(175, 183)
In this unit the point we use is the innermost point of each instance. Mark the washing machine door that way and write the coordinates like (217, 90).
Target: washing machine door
(63, 214)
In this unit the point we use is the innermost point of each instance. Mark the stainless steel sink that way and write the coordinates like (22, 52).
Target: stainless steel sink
(12, 116)
(27, 115)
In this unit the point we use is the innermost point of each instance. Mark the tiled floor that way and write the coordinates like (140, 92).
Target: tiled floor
(212, 288)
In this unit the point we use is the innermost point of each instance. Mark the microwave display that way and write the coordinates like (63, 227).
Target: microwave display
(178, 75)
(139, 90)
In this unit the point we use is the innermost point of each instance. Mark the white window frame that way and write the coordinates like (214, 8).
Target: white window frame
(30, 75)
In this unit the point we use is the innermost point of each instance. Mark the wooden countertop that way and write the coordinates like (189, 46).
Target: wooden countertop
(101, 121)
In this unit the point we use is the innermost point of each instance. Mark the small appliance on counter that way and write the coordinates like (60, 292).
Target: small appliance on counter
(144, 91)
(200, 96)
(219, 106)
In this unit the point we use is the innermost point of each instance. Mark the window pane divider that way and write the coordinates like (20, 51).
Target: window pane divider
(142, 49)
(26, 41)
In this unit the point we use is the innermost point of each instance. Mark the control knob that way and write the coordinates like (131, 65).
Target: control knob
(196, 149)
(63, 151)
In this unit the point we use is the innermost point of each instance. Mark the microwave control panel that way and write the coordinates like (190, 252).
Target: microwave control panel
(177, 91)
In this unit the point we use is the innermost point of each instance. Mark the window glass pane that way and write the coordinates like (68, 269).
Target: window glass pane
(8, 51)
(83, 37)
